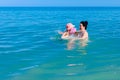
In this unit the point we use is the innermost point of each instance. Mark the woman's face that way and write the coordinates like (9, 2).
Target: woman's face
(81, 27)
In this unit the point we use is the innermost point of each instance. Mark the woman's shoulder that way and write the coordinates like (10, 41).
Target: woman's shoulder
(86, 32)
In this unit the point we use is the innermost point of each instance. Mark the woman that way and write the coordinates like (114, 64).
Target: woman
(82, 34)
(70, 30)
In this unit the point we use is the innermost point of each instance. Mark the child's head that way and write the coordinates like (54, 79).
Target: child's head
(69, 26)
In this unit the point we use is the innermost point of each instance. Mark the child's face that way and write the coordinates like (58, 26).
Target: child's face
(68, 27)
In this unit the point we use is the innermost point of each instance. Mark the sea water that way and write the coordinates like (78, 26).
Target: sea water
(31, 48)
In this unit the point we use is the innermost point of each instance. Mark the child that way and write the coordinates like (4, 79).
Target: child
(70, 30)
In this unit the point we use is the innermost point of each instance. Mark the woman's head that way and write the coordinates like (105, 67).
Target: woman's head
(83, 24)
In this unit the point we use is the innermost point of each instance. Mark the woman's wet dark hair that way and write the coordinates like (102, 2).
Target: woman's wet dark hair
(84, 23)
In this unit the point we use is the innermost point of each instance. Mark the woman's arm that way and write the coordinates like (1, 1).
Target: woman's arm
(84, 36)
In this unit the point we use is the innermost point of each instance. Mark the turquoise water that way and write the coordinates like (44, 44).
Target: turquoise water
(31, 48)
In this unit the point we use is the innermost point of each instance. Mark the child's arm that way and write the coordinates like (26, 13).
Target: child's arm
(60, 32)
(65, 35)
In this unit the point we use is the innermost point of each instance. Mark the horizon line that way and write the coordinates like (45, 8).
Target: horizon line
(59, 6)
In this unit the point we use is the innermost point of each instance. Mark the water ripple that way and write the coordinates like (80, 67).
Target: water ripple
(29, 44)
(30, 67)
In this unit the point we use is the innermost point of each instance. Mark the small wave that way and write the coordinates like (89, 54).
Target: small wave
(6, 46)
(20, 50)
(30, 67)
(14, 74)
(70, 56)
(71, 74)
(14, 51)
(70, 65)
